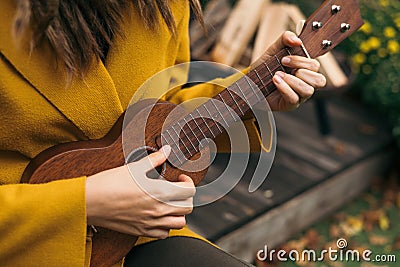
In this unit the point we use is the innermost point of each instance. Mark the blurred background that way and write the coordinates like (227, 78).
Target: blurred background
(336, 171)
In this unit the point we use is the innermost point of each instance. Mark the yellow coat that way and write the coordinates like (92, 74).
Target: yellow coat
(45, 225)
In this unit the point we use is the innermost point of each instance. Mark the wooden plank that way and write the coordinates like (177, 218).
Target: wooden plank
(279, 224)
(239, 206)
(215, 14)
(238, 31)
(308, 136)
(354, 128)
(274, 21)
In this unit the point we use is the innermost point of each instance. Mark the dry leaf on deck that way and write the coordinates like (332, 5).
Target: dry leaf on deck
(352, 226)
(334, 231)
(396, 245)
(378, 240)
(313, 239)
(384, 222)
(372, 216)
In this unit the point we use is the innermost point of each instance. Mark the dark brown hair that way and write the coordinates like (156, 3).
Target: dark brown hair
(78, 30)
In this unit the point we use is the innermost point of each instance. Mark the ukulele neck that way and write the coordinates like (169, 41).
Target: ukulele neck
(217, 114)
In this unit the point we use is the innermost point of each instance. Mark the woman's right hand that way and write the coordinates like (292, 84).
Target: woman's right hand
(114, 200)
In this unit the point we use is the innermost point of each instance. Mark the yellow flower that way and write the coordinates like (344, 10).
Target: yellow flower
(384, 3)
(367, 69)
(382, 52)
(397, 22)
(374, 42)
(366, 28)
(393, 47)
(359, 58)
(389, 32)
(365, 47)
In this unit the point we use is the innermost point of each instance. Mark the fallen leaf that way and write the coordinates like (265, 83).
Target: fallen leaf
(340, 148)
(396, 245)
(260, 263)
(352, 226)
(360, 249)
(334, 231)
(340, 216)
(336, 264)
(298, 245)
(378, 240)
(372, 216)
(384, 222)
(370, 199)
(312, 239)
(367, 129)
(305, 263)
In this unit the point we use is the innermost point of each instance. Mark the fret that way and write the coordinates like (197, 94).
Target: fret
(198, 112)
(187, 137)
(229, 91)
(177, 134)
(268, 69)
(212, 118)
(279, 62)
(252, 87)
(190, 128)
(240, 89)
(217, 109)
(226, 106)
(288, 51)
(172, 150)
(197, 125)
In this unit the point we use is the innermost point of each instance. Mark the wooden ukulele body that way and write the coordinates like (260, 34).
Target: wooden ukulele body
(86, 158)
(331, 23)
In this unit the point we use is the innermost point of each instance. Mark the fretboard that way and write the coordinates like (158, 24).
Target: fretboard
(217, 114)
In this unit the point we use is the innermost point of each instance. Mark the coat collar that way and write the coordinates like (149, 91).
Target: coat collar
(91, 104)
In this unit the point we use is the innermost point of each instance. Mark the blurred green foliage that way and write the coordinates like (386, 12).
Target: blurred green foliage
(375, 56)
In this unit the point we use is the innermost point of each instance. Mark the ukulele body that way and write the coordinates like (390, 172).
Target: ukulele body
(85, 158)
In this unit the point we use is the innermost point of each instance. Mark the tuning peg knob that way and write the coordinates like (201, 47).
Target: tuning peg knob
(335, 9)
(344, 27)
(326, 44)
(317, 25)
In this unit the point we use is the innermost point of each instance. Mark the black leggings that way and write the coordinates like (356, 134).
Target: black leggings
(180, 251)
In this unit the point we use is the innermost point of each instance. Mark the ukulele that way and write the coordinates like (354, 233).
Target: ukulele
(331, 23)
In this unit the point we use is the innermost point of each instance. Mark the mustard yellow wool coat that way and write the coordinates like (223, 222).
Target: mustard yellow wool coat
(45, 225)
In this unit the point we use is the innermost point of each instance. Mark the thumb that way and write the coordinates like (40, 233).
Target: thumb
(155, 159)
(184, 179)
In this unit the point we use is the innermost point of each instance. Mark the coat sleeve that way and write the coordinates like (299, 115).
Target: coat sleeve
(40, 225)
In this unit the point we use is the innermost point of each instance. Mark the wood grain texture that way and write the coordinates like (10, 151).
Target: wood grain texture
(238, 31)
(85, 158)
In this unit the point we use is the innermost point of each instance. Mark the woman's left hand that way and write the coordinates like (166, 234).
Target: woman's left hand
(296, 88)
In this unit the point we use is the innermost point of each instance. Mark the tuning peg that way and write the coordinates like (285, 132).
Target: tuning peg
(335, 9)
(317, 25)
(326, 44)
(344, 27)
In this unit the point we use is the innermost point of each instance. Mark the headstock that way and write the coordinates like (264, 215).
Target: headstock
(330, 24)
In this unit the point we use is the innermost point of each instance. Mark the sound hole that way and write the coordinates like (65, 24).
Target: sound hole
(142, 152)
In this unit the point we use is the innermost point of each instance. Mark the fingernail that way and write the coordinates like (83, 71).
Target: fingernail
(285, 60)
(295, 39)
(281, 74)
(278, 77)
(166, 150)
